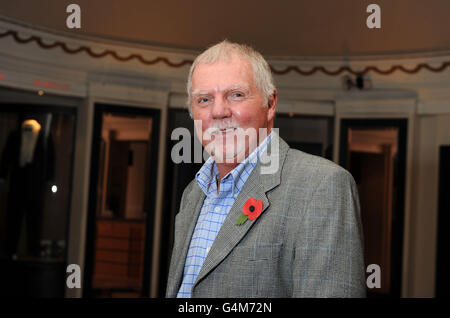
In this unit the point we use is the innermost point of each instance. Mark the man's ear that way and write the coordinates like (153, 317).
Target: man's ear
(272, 105)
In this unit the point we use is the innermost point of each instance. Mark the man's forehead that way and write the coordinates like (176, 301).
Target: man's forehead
(236, 64)
(222, 75)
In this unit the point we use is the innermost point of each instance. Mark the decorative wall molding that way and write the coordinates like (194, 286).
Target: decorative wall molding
(129, 95)
(68, 47)
(28, 66)
(308, 108)
(405, 106)
(366, 70)
(88, 50)
(433, 107)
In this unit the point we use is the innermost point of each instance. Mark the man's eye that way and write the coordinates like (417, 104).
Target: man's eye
(203, 100)
(237, 95)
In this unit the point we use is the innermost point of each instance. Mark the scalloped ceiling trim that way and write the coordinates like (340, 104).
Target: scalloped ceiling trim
(161, 59)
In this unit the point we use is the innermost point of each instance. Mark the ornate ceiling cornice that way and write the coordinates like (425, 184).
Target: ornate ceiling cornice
(162, 59)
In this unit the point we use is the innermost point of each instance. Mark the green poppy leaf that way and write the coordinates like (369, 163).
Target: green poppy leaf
(241, 219)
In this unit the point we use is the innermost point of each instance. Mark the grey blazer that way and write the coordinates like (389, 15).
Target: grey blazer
(308, 241)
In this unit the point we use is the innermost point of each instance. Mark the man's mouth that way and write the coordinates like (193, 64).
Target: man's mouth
(224, 131)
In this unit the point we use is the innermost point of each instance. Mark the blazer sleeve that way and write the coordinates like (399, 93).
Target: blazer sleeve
(329, 259)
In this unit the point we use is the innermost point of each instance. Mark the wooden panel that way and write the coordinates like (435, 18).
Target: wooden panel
(111, 269)
(119, 254)
(112, 256)
(110, 228)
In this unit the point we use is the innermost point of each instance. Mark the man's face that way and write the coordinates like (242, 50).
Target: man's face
(225, 97)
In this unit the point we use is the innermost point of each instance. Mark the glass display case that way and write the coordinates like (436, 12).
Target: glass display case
(36, 154)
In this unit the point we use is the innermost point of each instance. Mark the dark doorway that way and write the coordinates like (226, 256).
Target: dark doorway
(374, 151)
(310, 134)
(442, 262)
(122, 192)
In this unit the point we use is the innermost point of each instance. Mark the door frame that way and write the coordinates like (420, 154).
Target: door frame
(100, 109)
(398, 211)
(398, 106)
(120, 95)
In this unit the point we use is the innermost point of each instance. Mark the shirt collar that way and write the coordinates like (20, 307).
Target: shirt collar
(208, 174)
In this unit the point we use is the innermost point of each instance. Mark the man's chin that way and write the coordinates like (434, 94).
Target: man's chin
(229, 157)
(225, 160)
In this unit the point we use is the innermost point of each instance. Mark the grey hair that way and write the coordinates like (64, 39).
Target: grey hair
(224, 51)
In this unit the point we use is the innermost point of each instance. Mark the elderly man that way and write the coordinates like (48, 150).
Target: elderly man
(293, 232)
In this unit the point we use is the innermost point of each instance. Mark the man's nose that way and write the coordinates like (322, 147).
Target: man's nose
(220, 109)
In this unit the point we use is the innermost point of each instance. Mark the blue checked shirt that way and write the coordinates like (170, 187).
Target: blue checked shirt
(214, 211)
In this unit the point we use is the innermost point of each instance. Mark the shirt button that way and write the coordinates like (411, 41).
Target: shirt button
(217, 209)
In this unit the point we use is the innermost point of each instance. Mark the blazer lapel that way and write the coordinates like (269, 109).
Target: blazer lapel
(231, 234)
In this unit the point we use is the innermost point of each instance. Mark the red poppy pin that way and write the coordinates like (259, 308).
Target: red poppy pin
(252, 209)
